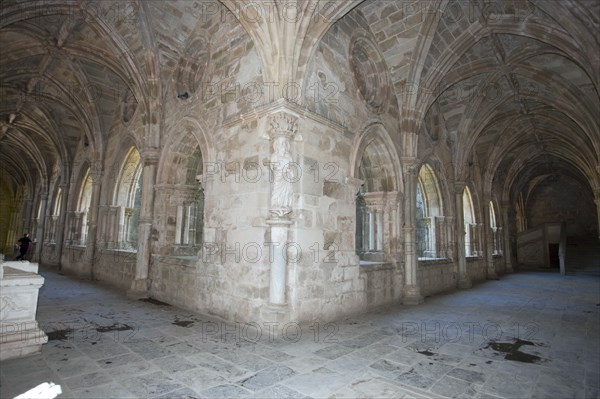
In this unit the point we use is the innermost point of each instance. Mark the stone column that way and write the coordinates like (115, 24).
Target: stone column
(140, 284)
(91, 241)
(283, 128)
(61, 223)
(11, 236)
(450, 240)
(597, 201)
(27, 209)
(488, 238)
(463, 277)
(506, 229)
(440, 237)
(39, 234)
(412, 290)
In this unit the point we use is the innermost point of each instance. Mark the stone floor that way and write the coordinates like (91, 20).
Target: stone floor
(528, 335)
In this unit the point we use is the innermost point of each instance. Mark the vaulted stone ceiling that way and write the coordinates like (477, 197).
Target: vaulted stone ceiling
(514, 84)
(505, 85)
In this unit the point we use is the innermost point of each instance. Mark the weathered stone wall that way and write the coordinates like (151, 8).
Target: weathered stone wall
(73, 260)
(382, 284)
(561, 199)
(437, 276)
(500, 265)
(477, 269)
(115, 267)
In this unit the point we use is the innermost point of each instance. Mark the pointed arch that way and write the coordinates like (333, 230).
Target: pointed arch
(376, 164)
(430, 208)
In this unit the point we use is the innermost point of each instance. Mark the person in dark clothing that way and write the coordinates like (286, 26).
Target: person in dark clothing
(23, 246)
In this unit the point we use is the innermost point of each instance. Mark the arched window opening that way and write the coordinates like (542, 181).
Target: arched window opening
(52, 219)
(520, 214)
(57, 203)
(35, 222)
(83, 210)
(190, 212)
(472, 247)
(376, 205)
(430, 222)
(128, 198)
(495, 230)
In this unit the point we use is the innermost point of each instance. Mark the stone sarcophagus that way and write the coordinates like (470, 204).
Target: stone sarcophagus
(20, 334)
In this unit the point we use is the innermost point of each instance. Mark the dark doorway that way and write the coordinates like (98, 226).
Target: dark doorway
(553, 258)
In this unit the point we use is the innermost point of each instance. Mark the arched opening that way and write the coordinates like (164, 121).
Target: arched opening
(429, 214)
(52, 219)
(83, 210)
(376, 203)
(190, 214)
(472, 247)
(496, 230)
(128, 199)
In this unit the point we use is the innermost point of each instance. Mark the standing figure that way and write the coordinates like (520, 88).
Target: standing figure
(23, 246)
(282, 177)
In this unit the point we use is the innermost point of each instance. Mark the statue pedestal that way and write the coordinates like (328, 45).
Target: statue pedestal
(279, 236)
(20, 334)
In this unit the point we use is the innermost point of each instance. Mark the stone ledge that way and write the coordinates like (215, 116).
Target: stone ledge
(366, 267)
(435, 261)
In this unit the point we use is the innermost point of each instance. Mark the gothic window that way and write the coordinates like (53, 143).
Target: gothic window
(128, 198)
(52, 219)
(57, 203)
(376, 203)
(428, 212)
(471, 241)
(190, 212)
(495, 229)
(83, 210)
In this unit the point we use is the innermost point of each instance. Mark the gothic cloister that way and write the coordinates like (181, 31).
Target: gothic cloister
(306, 161)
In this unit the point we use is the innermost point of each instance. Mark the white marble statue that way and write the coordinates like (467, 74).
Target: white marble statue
(282, 176)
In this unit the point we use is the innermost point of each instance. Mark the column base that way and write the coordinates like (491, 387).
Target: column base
(464, 281)
(139, 289)
(412, 295)
(509, 268)
(491, 275)
(275, 313)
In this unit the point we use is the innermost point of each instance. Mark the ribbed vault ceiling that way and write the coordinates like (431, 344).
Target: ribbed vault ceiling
(499, 85)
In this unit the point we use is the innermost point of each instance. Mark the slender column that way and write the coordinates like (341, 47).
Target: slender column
(27, 209)
(91, 240)
(379, 222)
(450, 243)
(489, 241)
(506, 229)
(283, 128)
(140, 285)
(463, 277)
(11, 236)
(597, 201)
(440, 237)
(371, 213)
(62, 223)
(39, 234)
(412, 290)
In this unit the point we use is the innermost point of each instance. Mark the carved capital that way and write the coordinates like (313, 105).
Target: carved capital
(459, 187)
(150, 156)
(283, 124)
(354, 183)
